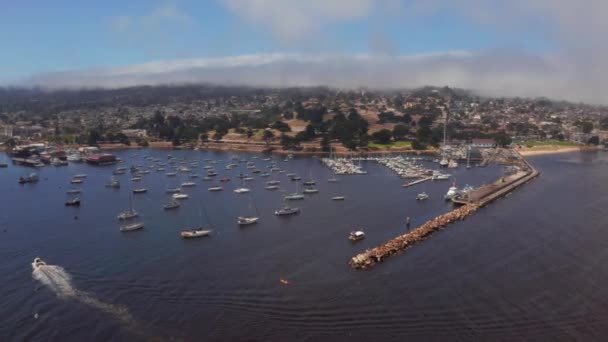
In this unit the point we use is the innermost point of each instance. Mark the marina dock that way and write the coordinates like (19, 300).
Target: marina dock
(470, 205)
(406, 185)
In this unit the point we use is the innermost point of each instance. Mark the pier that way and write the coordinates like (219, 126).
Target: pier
(476, 200)
(406, 185)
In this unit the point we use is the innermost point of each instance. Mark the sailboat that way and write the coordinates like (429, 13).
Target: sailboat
(444, 161)
(128, 214)
(252, 218)
(199, 231)
(310, 180)
(468, 157)
(333, 178)
(242, 189)
(294, 196)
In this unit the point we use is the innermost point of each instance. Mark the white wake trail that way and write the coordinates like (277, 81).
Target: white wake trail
(60, 282)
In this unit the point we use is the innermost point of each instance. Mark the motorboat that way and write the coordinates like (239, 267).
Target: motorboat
(356, 236)
(194, 233)
(287, 211)
(37, 263)
(131, 227)
(452, 192)
(180, 196)
(140, 190)
(422, 196)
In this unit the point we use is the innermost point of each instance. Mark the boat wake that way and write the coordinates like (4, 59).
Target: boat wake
(60, 282)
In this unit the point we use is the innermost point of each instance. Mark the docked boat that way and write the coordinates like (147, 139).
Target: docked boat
(294, 196)
(452, 192)
(172, 205)
(216, 188)
(31, 178)
(180, 196)
(422, 196)
(356, 236)
(75, 202)
(452, 164)
(3, 165)
(140, 190)
(287, 211)
(129, 227)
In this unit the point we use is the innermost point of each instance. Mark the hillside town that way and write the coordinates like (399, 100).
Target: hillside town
(295, 119)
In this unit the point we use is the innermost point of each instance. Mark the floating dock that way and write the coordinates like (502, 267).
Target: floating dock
(416, 182)
(475, 200)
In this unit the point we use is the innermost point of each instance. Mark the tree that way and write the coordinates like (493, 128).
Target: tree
(383, 136)
(218, 135)
(281, 126)
(94, 136)
(268, 135)
(594, 140)
(325, 143)
(417, 145)
(400, 132)
(587, 127)
(249, 133)
(204, 136)
(502, 139)
(604, 123)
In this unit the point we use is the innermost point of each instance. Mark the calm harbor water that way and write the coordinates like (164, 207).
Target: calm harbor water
(530, 266)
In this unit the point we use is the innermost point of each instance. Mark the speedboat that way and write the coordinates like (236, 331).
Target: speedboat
(243, 221)
(287, 211)
(37, 263)
(180, 196)
(356, 236)
(422, 196)
(131, 227)
(194, 233)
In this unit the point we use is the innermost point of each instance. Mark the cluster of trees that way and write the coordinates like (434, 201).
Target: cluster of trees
(313, 114)
(391, 117)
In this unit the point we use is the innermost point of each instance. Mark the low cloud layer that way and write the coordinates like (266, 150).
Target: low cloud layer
(497, 73)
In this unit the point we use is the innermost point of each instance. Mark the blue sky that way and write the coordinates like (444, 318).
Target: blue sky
(42, 36)
(552, 48)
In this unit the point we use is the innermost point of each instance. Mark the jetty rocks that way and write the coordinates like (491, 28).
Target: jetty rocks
(400, 243)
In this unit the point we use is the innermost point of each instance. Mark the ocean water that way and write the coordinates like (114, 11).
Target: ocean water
(530, 266)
